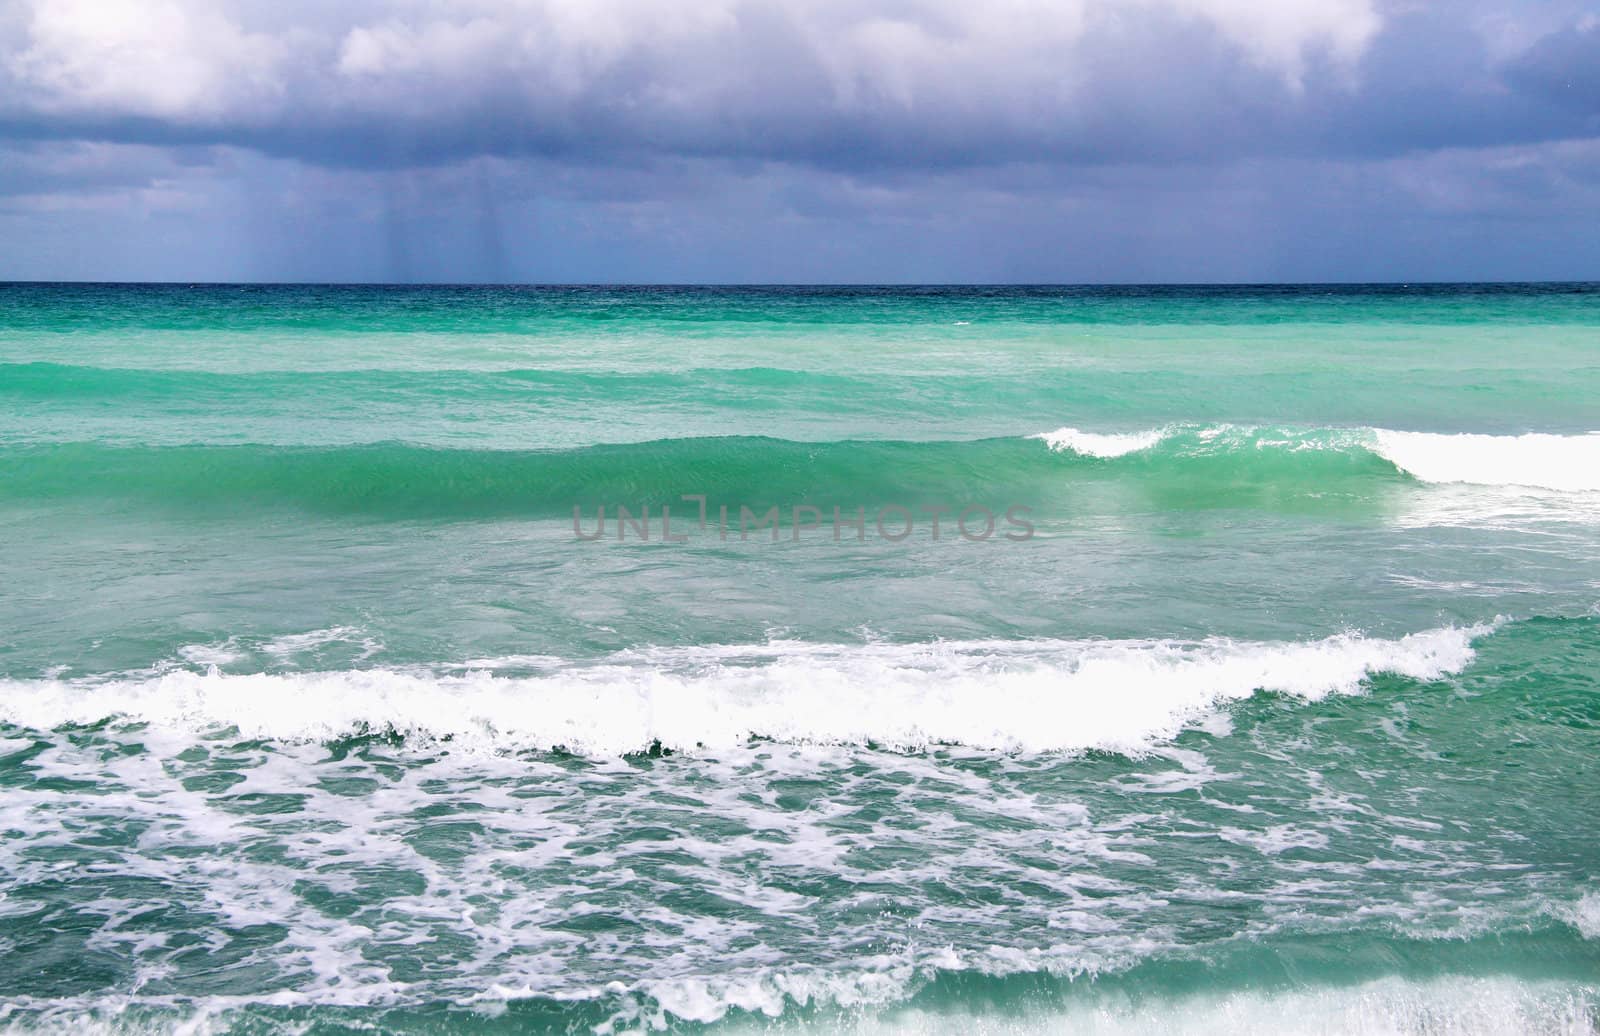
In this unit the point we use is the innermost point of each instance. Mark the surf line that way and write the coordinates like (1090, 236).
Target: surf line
(892, 522)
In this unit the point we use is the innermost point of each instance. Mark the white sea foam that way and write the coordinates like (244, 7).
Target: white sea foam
(1585, 915)
(768, 829)
(1564, 463)
(1094, 444)
(1389, 1006)
(1567, 463)
(291, 645)
(1459, 1006)
(210, 654)
(1047, 695)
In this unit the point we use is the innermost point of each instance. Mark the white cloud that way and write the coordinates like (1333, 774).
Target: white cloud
(206, 60)
(1281, 33)
(157, 58)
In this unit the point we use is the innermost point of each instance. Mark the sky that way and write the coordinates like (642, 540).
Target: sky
(814, 141)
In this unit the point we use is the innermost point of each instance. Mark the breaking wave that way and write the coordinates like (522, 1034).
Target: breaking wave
(1031, 696)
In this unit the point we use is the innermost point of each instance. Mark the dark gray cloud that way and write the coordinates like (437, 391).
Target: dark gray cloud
(1564, 67)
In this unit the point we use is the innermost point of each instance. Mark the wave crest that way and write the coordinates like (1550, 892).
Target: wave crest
(406, 480)
(1033, 696)
(1105, 446)
(1566, 463)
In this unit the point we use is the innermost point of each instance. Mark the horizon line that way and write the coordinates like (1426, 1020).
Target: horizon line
(36, 282)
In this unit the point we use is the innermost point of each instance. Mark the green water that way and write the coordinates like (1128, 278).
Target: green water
(1267, 702)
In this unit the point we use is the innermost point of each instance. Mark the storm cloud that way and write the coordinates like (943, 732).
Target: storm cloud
(787, 140)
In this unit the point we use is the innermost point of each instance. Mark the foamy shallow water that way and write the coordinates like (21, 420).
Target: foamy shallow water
(382, 869)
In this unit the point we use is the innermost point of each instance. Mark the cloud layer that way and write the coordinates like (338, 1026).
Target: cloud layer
(828, 80)
(615, 118)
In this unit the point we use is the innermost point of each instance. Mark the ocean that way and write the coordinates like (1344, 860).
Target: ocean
(595, 659)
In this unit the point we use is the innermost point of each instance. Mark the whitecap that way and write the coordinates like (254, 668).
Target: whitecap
(1030, 696)
(1565, 463)
(1103, 445)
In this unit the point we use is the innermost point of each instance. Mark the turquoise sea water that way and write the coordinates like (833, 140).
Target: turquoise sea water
(1275, 707)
